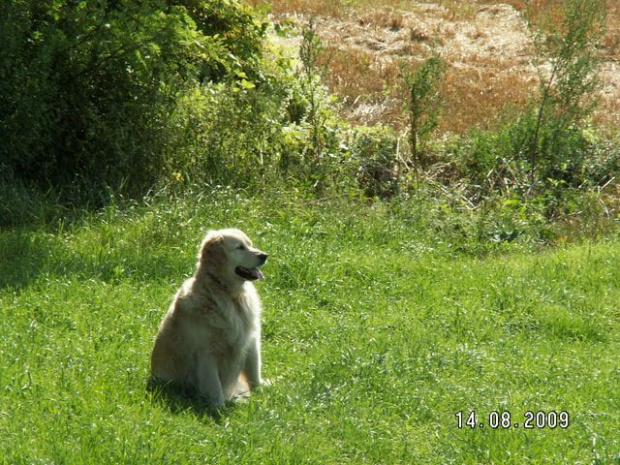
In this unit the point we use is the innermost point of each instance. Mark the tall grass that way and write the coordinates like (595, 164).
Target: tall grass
(378, 329)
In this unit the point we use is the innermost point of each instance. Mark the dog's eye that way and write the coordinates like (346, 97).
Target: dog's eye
(241, 247)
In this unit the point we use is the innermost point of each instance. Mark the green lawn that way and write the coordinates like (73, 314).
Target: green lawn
(377, 331)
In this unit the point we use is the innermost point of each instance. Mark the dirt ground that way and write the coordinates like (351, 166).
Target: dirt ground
(488, 47)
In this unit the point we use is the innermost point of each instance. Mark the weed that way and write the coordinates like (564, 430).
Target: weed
(566, 94)
(311, 84)
(422, 100)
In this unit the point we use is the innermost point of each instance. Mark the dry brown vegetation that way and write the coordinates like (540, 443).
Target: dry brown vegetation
(487, 45)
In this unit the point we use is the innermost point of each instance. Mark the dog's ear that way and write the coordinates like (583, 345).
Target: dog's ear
(212, 248)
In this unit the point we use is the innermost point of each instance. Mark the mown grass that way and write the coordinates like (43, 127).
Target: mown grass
(377, 330)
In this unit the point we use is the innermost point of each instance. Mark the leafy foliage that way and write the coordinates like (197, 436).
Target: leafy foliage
(237, 30)
(87, 88)
(101, 99)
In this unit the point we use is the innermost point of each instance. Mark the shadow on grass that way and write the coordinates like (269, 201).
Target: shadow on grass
(24, 257)
(180, 399)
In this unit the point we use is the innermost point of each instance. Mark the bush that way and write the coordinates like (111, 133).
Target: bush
(422, 102)
(232, 133)
(87, 88)
(375, 152)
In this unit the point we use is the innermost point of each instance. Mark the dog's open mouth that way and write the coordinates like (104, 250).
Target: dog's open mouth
(249, 274)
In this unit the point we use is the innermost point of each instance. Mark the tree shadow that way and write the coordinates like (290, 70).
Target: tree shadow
(24, 256)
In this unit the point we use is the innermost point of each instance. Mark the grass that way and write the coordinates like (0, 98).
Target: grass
(377, 331)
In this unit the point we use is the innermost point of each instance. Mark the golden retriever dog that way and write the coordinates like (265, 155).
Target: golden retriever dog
(209, 341)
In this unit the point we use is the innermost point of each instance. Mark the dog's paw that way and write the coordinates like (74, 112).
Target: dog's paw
(266, 382)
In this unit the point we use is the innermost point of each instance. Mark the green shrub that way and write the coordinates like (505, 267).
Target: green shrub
(236, 27)
(375, 152)
(87, 88)
(233, 132)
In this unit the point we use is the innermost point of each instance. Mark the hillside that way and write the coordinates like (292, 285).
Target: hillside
(493, 64)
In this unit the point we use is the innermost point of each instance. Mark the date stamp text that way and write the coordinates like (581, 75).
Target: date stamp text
(506, 420)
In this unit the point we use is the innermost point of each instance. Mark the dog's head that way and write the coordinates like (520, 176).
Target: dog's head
(228, 255)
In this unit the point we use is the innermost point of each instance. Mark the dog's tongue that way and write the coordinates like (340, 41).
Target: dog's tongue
(250, 274)
(257, 273)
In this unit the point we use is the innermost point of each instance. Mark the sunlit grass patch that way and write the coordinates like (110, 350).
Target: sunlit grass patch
(377, 331)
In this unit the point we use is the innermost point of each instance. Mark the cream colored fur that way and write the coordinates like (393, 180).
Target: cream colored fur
(209, 340)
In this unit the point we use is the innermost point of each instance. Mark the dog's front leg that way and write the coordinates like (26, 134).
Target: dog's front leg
(209, 384)
(252, 365)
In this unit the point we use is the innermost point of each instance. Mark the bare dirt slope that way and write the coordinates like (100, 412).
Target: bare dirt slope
(492, 63)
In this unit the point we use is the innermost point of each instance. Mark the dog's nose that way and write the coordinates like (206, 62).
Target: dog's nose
(263, 257)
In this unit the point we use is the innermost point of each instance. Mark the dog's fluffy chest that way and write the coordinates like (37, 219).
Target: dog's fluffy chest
(238, 321)
(228, 323)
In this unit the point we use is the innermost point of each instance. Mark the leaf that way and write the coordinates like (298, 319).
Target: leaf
(245, 84)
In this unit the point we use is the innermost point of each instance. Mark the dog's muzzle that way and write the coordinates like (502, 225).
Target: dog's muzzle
(252, 274)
